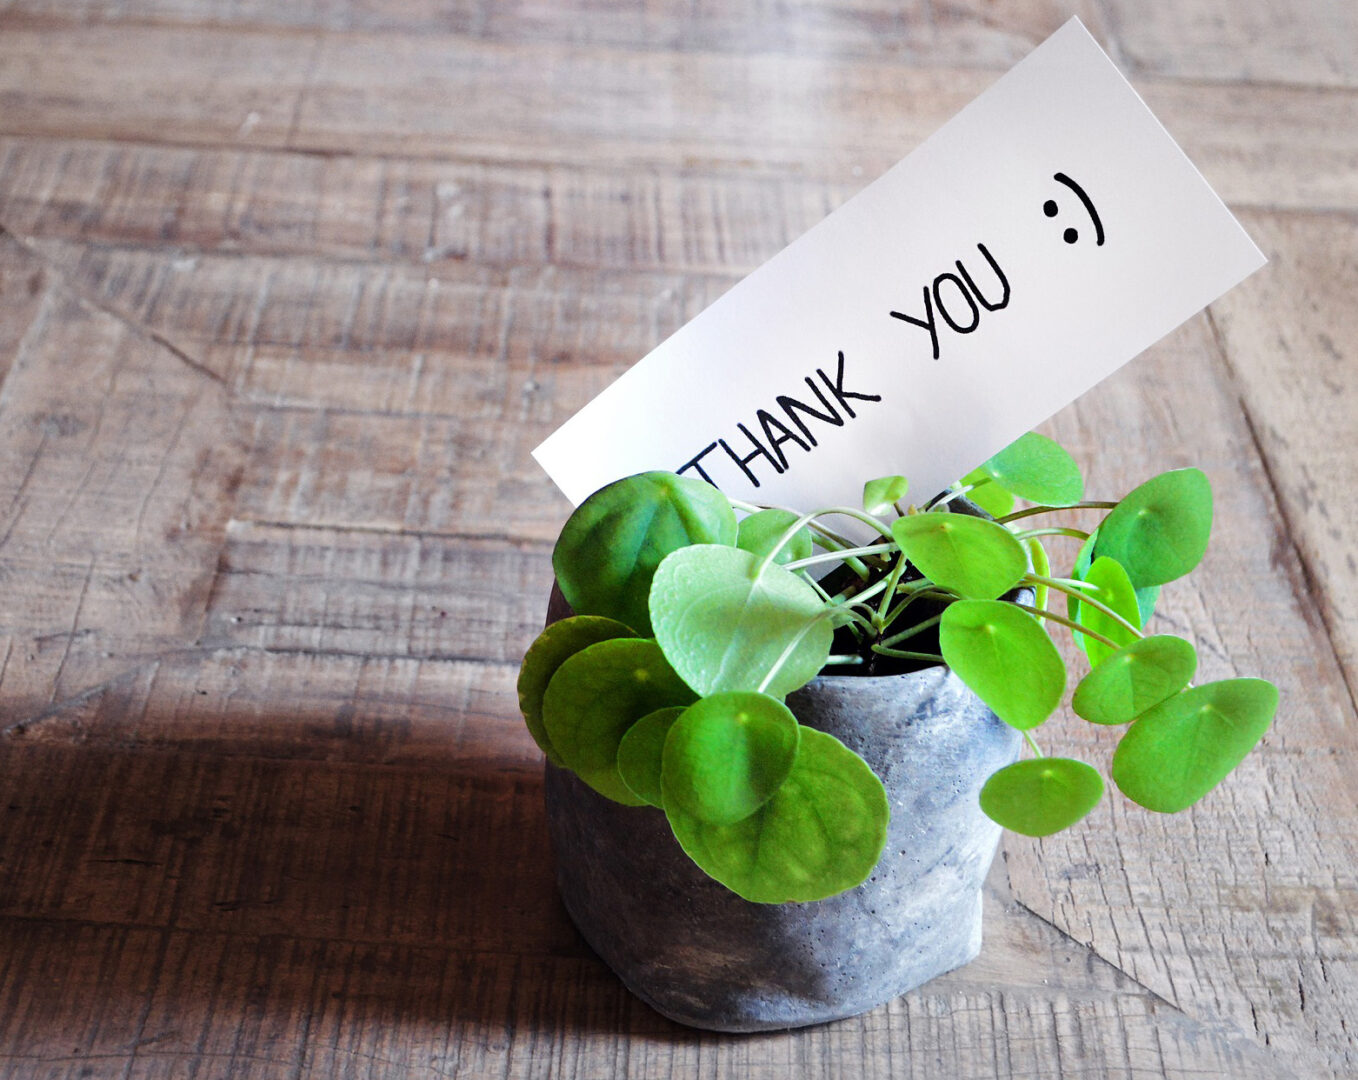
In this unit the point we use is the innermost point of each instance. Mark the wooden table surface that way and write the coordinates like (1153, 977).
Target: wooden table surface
(289, 290)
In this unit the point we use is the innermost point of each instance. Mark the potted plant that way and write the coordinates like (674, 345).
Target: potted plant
(781, 746)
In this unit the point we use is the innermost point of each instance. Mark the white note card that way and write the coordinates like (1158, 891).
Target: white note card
(1043, 237)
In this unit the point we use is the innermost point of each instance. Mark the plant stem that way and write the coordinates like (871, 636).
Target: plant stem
(1033, 510)
(748, 507)
(817, 586)
(859, 515)
(948, 496)
(917, 628)
(933, 593)
(896, 571)
(1033, 745)
(843, 659)
(1066, 622)
(867, 594)
(1060, 585)
(899, 654)
(1079, 534)
(836, 556)
(857, 618)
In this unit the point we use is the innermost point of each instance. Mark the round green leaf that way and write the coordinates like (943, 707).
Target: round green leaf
(1038, 469)
(821, 833)
(1181, 749)
(987, 494)
(596, 695)
(641, 752)
(560, 640)
(1159, 531)
(1134, 679)
(1007, 659)
(761, 530)
(610, 547)
(975, 557)
(727, 755)
(1111, 587)
(1041, 796)
(723, 628)
(881, 495)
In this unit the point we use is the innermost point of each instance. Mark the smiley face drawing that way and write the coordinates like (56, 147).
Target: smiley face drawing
(1051, 209)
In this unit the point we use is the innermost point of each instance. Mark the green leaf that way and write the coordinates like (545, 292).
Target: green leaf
(1111, 587)
(987, 494)
(1042, 567)
(881, 495)
(1041, 796)
(727, 755)
(1134, 679)
(1181, 749)
(1146, 598)
(1159, 531)
(976, 558)
(1086, 557)
(641, 751)
(596, 695)
(821, 833)
(724, 629)
(560, 640)
(1038, 469)
(1007, 659)
(761, 530)
(610, 547)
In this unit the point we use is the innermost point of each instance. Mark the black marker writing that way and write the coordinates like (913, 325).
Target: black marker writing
(960, 304)
(749, 453)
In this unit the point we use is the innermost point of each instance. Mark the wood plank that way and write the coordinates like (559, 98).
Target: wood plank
(425, 97)
(316, 707)
(256, 914)
(969, 32)
(403, 596)
(116, 498)
(266, 1008)
(1291, 336)
(1307, 42)
(465, 342)
(426, 475)
(427, 213)
(449, 855)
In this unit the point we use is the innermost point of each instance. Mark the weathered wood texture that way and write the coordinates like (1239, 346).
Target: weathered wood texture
(287, 294)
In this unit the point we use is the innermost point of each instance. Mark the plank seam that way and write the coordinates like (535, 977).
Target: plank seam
(520, 542)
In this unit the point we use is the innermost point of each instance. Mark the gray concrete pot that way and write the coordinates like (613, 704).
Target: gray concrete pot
(699, 954)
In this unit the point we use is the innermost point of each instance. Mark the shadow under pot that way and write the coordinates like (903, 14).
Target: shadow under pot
(700, 955)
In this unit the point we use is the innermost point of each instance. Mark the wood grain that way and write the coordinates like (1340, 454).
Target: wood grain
(288, 292)
(261, 917)
(422, 96)
(1305, 42)
(1291, 341)
(997, 34)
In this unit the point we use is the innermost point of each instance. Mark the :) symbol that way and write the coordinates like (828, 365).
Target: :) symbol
(1051, 209)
